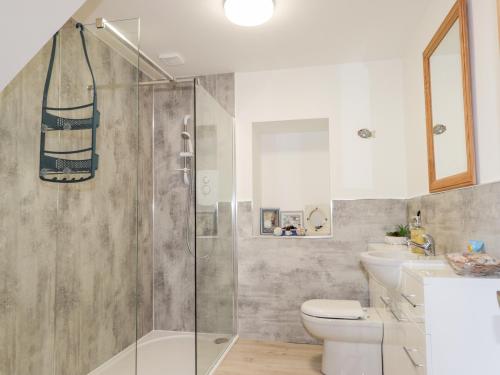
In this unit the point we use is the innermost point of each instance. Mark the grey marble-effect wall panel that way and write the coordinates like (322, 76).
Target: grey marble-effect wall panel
(27, 229)
(174, 271)
(206, 222)
(96, 257)
(68, 253)
(221, 87)
(276, 275)
(215, 282)
(173, 266)
(145, 194)
(456, 216)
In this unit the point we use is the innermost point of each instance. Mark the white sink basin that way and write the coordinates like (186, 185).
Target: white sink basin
(385, 265)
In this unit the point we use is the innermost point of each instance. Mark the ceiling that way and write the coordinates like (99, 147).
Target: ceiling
(301, 33)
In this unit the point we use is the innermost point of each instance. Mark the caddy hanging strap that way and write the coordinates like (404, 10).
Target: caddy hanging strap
(52, 167)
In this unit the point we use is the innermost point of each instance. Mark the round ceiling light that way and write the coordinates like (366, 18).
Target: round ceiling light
(249, 12)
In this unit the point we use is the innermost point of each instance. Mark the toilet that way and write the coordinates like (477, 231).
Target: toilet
(352, 336)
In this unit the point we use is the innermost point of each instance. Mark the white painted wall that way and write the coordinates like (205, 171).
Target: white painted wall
(25, 26)
(351, 96)
(485, 60)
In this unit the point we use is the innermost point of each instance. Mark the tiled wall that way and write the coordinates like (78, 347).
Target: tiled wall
(174, 301)
(455, 216)
(145, 219)
(215, 276)
(173, 267)
(276, 275)
(68, 253)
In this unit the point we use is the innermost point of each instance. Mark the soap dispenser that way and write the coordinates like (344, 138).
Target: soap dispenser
(417, 233)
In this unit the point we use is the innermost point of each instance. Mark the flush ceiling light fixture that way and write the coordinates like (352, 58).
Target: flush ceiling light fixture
(249, 12)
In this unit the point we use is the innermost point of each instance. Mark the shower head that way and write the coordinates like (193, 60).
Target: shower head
(188, 144)
(186, 120)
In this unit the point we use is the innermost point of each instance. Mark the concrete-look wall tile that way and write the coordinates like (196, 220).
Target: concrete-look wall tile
(174, 288)
(455, 216)
(145, 194)
(245, 220)
(221, 87)
(276, 275)
(68, 253)
(173, 266)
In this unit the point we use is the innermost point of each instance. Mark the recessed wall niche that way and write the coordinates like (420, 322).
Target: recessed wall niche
(291, 171)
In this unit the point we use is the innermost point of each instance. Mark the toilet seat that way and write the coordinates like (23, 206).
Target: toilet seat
(333, 309)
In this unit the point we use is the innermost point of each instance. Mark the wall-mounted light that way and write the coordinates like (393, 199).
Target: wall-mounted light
(249, 12)
(366, 133)
(439, 129)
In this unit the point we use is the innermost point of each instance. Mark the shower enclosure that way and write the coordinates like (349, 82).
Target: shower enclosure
(95, 276)
(215, 229)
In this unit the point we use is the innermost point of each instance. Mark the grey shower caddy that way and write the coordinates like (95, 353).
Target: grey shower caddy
(54, 168)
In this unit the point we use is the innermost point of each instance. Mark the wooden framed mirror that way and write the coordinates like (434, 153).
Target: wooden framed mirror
(448, 101)
(498, 14)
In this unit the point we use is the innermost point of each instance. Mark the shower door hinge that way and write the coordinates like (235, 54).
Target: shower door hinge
(99, 23)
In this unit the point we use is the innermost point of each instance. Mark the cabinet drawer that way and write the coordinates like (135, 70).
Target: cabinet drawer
(404, 348)
(378, 296)
(412, 298)
(414, 349)
(392, 348)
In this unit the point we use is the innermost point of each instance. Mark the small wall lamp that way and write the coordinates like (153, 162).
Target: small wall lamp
(366, 133)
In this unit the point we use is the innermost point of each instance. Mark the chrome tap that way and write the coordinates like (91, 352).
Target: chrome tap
(428, 246)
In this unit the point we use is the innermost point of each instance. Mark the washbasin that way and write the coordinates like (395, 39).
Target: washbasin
(385, 265)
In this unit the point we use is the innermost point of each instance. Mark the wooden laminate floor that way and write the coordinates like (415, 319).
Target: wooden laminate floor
(249, 357)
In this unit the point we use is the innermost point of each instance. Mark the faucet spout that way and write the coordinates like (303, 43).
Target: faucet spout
(428, 246)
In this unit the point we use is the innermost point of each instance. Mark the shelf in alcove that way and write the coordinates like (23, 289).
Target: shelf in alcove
(294, 237)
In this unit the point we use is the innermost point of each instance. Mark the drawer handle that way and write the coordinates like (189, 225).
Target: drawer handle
(385, 301)
(409, 299)
(398, 318)
(408, 353)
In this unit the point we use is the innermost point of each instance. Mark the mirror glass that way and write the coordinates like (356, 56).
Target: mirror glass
(317, 218)
(448, 121)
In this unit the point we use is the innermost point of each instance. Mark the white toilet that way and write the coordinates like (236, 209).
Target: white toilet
(352, 336)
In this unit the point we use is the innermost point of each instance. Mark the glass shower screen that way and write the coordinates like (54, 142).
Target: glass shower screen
(68, 251)
(215, 238)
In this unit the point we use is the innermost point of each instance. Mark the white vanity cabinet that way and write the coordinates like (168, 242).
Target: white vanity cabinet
(399, 334)
(437, 323)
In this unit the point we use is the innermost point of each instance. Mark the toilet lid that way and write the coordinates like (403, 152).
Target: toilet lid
(333, 309)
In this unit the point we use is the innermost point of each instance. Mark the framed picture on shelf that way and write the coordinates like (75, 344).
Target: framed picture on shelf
(269, 219)
(294, 218)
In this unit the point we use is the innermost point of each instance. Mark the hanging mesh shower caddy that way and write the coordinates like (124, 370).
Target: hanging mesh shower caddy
(54, 167)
